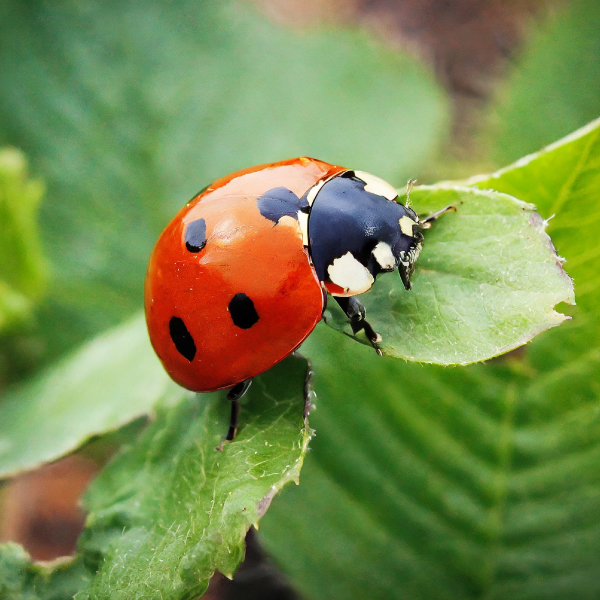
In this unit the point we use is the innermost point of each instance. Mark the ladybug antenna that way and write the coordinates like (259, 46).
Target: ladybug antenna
(427, 221)
(409, 186)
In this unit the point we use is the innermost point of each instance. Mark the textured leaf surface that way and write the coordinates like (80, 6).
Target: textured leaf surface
(486, 282)
(479, 482)
(107, 383)
(22, 265)
(170, 510)
(128, 109)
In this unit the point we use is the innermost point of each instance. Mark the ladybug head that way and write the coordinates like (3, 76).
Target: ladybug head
(397, 233)
(357, 230)
(408, 242)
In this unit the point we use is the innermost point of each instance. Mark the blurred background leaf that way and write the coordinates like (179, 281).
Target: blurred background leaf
(21, 579)
(462, 483)
(553, 87)
(22, 263)
(105, 384)
(128, 109)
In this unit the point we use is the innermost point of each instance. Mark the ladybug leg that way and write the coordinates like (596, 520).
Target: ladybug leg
(427, 221)
(357, 313)
(309, 393)
(238, 390)
(234, 395)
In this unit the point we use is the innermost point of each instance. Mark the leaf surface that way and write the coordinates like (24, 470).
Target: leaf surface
(487, 281)
(107, 383)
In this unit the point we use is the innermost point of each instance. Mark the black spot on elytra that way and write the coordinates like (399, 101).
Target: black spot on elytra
(281, 202)
(195, 235)
(242, 311)
(182, 338)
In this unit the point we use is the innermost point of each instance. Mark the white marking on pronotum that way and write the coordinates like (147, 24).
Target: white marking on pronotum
(312, 194)
(349, 274)
(376, 185)
(406, 225)
(303, 222)
(384, 256)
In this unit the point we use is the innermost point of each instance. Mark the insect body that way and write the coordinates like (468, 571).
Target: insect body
(240, 277)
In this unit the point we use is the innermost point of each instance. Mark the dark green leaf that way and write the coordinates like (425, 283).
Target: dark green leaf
(171, 509)
(20, 579)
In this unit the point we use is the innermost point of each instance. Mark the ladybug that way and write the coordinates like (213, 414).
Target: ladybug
(240, 277)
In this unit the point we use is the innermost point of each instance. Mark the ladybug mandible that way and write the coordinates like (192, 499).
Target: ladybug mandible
(240, 276)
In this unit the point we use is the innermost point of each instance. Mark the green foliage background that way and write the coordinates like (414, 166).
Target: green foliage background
(127, 109)
(423, 481)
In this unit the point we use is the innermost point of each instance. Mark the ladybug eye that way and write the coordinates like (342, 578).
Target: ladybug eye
(376, 185)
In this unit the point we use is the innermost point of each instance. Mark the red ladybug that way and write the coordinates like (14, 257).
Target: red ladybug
(240, 276)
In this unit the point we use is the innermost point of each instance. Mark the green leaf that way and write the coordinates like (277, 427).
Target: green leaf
(175, 509)
(554, 86)
(23, 580)
(563, 180)
(486, 282)
(22, 264)
(14, 307)
(104, 385)
(129, 109)
(168, 511)
(479, 482)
